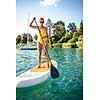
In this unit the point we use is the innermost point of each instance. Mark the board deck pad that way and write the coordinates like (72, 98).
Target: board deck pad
(43, 68)
(35, 75)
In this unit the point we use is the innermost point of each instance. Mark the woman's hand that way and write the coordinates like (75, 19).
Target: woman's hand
(32, 26)
(34, 18)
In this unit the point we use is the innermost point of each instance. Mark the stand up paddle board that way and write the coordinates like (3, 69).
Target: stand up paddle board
(34, 76)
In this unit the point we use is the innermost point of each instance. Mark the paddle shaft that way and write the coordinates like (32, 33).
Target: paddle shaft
(43, 43)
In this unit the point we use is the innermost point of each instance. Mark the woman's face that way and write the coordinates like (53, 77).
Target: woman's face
(41, 22)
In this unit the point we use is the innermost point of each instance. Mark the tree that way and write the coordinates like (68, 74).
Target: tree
(24, 38)
(18, 39)
(64, 38)
(80, 38)
(76, 35)
(59, 29)
(81, 28)
(49, 25)
(29, 37)
(35, 36)
(72, 27)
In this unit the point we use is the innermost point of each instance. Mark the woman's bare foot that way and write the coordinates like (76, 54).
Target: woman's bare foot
(38, 67)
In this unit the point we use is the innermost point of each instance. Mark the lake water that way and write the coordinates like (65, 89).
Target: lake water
(69, 86)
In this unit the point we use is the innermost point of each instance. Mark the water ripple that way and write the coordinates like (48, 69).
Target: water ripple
(69, 86)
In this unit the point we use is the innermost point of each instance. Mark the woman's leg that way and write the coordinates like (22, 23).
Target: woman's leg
(46, 56)
(39, 45)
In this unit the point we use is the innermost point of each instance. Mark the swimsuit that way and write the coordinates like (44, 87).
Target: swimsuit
(44, 36)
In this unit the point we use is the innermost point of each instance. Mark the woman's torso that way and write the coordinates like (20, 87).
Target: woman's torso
(43, 34)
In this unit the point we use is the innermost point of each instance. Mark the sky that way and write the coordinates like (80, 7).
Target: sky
(65, 10)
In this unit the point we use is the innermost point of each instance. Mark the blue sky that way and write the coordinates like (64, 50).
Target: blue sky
(65, 10)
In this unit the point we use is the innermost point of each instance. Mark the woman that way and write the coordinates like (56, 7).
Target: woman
(43, 30)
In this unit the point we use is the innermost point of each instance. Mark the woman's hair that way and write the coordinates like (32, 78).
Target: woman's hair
(42, 18)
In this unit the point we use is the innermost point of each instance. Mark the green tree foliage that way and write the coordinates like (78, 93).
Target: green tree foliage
(24, 38)
(53, 40)
(35, 36)
(72, 40)
(76, 35)
(81, 28)
(49, 44)
(64, 38)
(72, 27)
(18, 39)
(59, 29)
(29, 37)
(80, 38)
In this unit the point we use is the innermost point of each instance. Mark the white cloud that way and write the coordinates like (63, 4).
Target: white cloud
(46, 3)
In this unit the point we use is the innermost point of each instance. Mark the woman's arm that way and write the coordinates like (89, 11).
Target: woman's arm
(32, 26)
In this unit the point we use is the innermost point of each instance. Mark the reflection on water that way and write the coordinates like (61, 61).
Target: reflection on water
(69, 86)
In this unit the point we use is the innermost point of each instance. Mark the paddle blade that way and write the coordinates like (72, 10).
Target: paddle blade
(54, 72)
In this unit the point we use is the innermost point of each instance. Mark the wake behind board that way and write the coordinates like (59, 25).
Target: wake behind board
(34, 76)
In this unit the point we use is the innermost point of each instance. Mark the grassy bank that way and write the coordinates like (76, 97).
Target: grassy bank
(67, 45)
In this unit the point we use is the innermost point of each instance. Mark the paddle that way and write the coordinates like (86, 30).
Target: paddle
(53, 71)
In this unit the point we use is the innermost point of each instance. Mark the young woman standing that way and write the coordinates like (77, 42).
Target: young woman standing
(40, 44)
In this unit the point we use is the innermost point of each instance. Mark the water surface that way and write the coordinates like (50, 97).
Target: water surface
(69, 86)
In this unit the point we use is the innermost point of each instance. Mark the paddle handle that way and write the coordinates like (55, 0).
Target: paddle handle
(43, 42)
